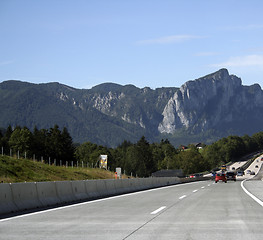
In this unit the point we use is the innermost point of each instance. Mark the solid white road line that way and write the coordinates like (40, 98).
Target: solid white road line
(251, 195)
(158, 210)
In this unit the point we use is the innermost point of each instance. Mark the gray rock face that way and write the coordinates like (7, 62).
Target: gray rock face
(208, 102)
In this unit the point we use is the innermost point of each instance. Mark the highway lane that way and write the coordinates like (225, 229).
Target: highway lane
(236, 165)
(224, 213)
(252, 167)
(255, 166)
(200, 210)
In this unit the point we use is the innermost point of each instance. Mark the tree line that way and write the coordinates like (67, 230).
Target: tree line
(143, 158)
(44, 143)
(138, 159)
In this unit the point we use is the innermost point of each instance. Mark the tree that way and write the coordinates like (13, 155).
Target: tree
(59, 144)
(158, 155)
(8, 132)
(130, 161)
(40, 143)
(54, 143)
(212, 155)
(250, 144)
(143, 159)
(191, 161)
(5, 139)
(68, 148)
(20, 140)
(258, 138)
(118, 158)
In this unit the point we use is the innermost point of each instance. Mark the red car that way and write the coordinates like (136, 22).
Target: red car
(220, 176)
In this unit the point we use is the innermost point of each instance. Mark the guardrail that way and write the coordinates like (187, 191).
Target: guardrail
(16, 197)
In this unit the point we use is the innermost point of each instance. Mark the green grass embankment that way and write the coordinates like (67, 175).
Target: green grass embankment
(24, 170)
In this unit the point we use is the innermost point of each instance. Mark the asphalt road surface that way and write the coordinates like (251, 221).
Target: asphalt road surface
(199, 210)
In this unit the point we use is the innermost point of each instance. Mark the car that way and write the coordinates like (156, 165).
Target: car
(220, 176)
(252, 173)
(233, 168)
(256, 166)
(248, 171)
(240, 173)
(198, 175)
(231, 176)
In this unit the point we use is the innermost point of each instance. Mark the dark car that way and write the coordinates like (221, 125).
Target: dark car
(231, 176)
(220, 176)
(198, 175)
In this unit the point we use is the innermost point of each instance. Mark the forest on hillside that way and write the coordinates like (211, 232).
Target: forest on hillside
(138, 159)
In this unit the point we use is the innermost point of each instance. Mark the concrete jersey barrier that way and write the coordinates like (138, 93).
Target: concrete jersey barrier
(25, 196)
(79, 190)
(7, 204)
(16, 197)
(47, 193)
(91, 189)
(65, 191)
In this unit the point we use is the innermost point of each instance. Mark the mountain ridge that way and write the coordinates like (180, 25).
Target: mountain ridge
(204, 109)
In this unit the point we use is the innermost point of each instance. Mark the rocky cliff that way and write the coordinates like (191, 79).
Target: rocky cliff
(213, 101)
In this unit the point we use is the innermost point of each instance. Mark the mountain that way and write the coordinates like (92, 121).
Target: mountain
(201, 110)
(217, 101)
(106, 114)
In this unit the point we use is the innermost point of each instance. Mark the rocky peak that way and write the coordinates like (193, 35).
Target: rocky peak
(204, 102)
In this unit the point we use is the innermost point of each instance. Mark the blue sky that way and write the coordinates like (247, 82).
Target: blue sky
(154, 43)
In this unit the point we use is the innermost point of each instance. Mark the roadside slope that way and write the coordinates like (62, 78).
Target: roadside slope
(21, 170)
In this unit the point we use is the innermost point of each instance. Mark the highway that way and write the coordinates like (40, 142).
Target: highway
(199, 210)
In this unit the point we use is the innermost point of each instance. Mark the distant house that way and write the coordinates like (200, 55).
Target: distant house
(198, 145)
(168, 173)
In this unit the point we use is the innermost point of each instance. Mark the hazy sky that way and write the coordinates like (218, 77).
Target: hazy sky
(154, 43)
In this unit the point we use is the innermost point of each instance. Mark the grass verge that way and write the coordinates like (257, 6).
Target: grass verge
(24, 170)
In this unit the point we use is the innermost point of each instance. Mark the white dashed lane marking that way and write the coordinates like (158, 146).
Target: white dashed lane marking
(158, 210)
(182, 197)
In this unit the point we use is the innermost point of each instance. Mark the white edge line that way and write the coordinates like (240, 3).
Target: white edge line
(250, 194)
(158, 210)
